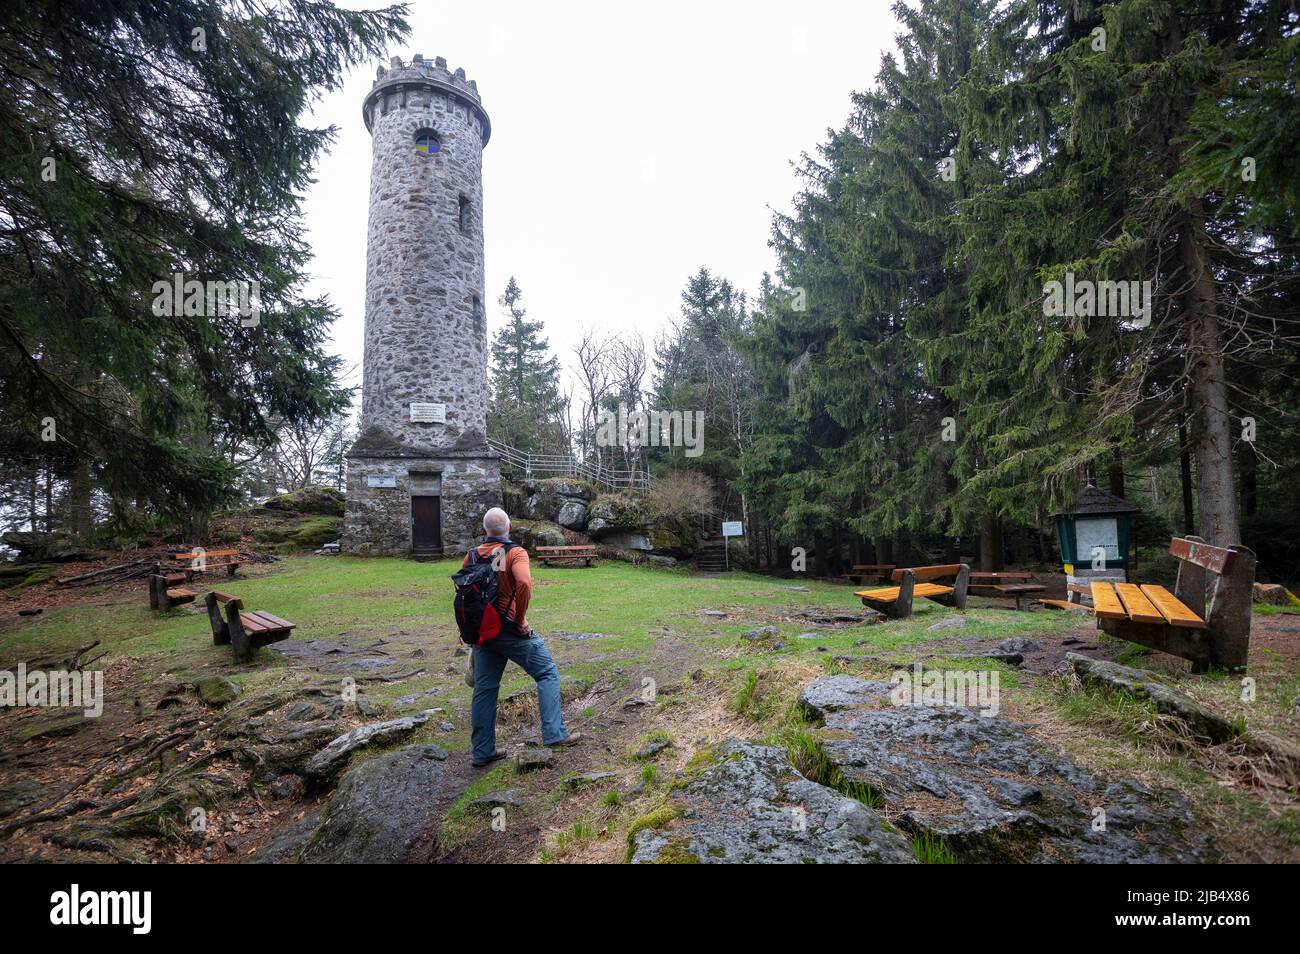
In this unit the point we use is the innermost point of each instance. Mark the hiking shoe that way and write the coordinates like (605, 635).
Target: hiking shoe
(573, 738)
(496, 756)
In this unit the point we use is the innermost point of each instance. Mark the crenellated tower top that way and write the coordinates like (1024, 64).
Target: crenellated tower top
(399, 79)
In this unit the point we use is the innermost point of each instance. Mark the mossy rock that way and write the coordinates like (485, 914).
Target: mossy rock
(531, 534)
(610, 513)
(311, 499)
(514, 499)
(315, 533)
(19, 575)
(217, 690)
(672, 535)
(566, 487)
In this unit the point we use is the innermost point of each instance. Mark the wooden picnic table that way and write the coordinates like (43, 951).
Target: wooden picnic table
(1015, 585)
(860, 572)
(201, 561)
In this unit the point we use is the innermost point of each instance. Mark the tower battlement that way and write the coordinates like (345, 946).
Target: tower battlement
(393, 83)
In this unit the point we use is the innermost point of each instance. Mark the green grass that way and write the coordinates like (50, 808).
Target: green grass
(929, 850)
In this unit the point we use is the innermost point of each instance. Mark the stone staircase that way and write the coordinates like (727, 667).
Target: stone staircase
(711, 557)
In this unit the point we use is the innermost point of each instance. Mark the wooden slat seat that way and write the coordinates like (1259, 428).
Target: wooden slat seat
(1105, 601)
(1136, 605)
(1175, 612)
(245, 631)
(887, 594)
(1173, 622)
(181, 595)
(896, 601)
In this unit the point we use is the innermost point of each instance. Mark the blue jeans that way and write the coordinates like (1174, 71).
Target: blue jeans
(489, 663)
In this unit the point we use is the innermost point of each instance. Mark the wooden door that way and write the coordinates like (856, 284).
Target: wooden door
(426, 525)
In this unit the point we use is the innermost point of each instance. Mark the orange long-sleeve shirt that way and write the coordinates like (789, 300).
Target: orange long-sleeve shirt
(514, 581)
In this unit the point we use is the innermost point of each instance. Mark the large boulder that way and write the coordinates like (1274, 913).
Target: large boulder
(378, 815)
(531, 534)
(990, 792)
(572, 514)
(617, 512)
(311, 499)
(562, 500)
(672, 535)
(35, 546)
(747, 804)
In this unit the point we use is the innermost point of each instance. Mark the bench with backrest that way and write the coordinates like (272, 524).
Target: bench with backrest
(244, 632)
(167, 590)
(1017, 586)
(860, 573)
(1180, 623)
(203, 562)
(567, 556)
(910, 582)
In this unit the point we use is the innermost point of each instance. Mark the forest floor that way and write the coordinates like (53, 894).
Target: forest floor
(650, 656)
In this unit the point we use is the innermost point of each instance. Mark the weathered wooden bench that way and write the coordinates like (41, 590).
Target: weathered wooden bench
(567, 556)
(896, 601)
(206, 561)
(1017, 586)
(244, 632)
(1178, 623)
(860, 573)
(166, 591)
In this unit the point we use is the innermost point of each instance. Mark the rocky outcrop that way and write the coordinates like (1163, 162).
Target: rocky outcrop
(35, 546)
(990, 792)
(319, 499)
(1202, 723)
(559, 500)
(615, 512)
(332, 758)
(747, 804)
(833, 693)
(531, 534)
(378, 815)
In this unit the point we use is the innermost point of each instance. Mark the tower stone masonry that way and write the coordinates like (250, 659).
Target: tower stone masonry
(420, 474)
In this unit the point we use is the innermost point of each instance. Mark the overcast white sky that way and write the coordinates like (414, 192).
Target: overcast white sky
(631, 144)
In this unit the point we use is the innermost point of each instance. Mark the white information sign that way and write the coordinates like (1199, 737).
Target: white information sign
(381, 480)
(732, 528)
(428, 413)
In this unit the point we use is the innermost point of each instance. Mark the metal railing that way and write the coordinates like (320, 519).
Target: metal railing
(566, 465)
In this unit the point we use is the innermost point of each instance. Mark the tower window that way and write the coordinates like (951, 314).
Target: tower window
(464, 213)
(426, 143)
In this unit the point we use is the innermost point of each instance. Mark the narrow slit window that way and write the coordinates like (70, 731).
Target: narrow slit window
(464, 213)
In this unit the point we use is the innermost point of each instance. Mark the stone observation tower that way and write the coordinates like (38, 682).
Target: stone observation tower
(421, 474)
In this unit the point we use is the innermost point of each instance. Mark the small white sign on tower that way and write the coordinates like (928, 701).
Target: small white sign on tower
(428, 413)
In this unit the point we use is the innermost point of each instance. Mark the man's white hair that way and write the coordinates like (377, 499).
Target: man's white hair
(496, 522)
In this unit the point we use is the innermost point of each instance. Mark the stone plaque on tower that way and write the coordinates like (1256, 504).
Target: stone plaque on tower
(424, 388)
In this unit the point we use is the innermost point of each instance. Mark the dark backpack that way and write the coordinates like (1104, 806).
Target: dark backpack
(476, 598)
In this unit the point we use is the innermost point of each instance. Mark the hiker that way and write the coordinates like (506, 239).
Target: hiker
(516, 642)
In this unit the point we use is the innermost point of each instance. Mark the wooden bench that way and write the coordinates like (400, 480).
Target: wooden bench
(1178, 623)
(205, 561)
(166, 591)
(1017, 586)
(860, 573)
(244, 632)
(896, 601)
(566, 556)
